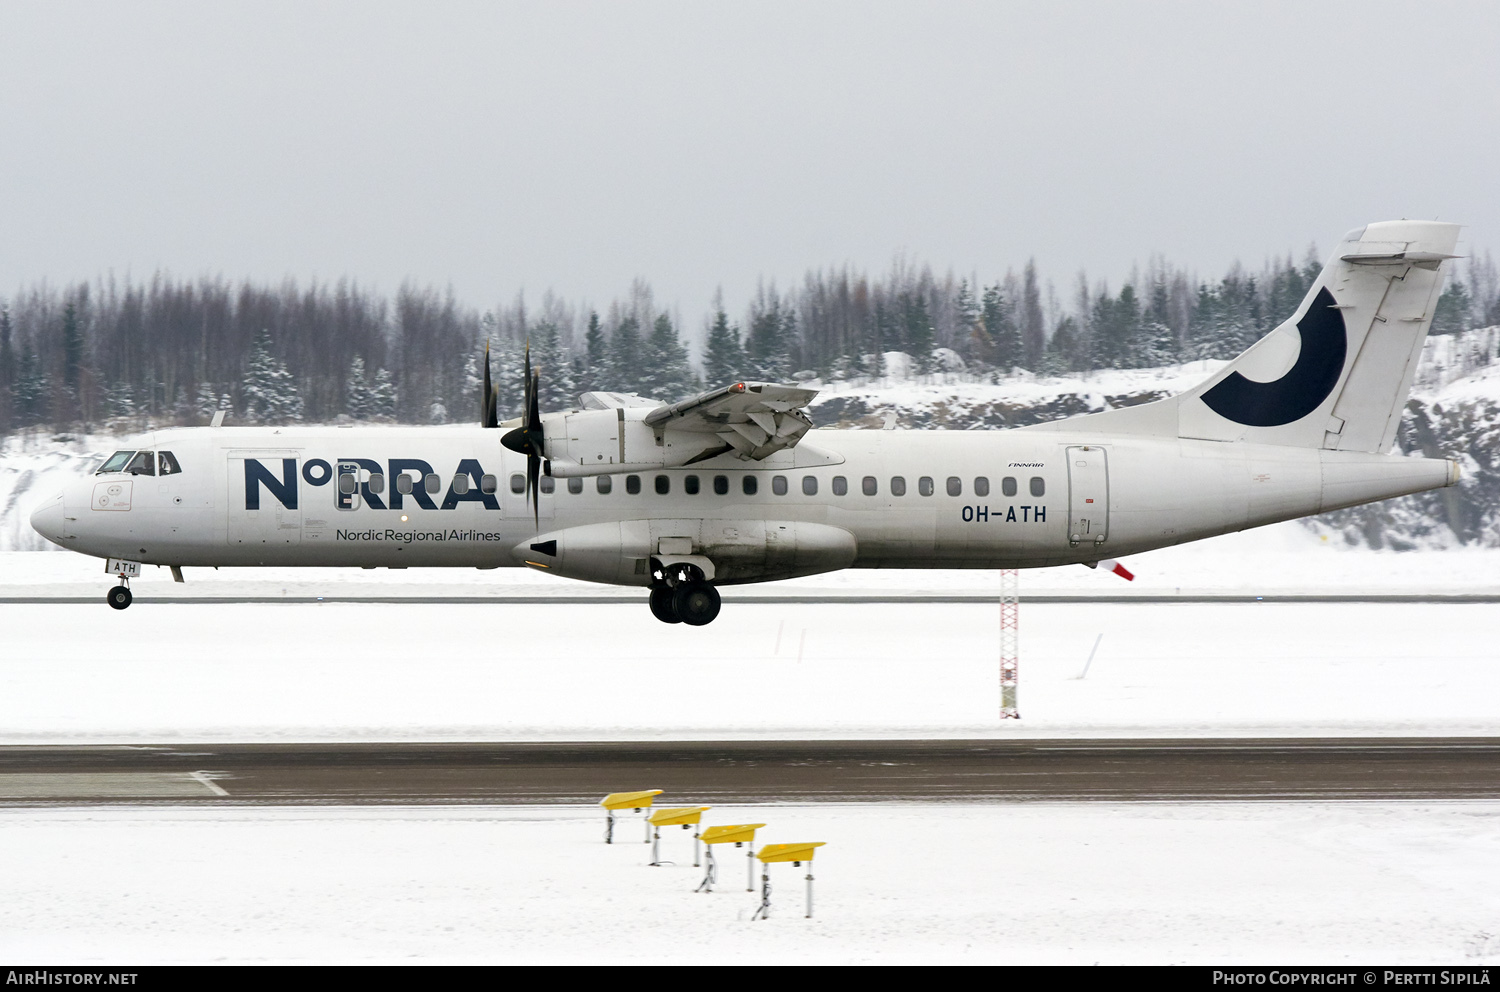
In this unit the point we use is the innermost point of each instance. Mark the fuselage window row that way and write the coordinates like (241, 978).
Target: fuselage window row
(692, 485)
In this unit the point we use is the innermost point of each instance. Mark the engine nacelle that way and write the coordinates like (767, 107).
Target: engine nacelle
(604, 442)
(740, 550)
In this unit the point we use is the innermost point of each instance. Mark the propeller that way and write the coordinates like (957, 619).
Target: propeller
(529, 439)
(490, 397)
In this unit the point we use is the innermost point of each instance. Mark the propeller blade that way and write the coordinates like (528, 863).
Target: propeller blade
(533, 478)
(487, 398)
(530, 439)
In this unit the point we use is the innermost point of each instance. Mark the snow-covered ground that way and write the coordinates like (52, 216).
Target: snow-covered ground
(559, 670)
(1229, 883)
(1006, 883)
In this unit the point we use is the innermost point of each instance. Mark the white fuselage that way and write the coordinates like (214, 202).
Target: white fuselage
(1015, 498)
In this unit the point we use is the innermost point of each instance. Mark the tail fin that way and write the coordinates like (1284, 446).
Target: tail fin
(1336, 374)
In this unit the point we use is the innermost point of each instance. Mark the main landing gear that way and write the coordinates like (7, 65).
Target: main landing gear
(682, 595)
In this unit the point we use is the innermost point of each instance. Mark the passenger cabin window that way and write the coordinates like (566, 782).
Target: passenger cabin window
(690, 485)
(840, 485)
(1008, 485)
(167, 463)
(869, 486)
(377, 483)
(487, 484)
(433, 483)
(898, 485)
(142, 464)
(575, 485)
(115, 462)
(461, 483)
(721, 485)
(778, 485)
(924, 485)
(809, 485)
(981, 486)
(663, 484)
(518, 483)
(547, 485)
(1038, 486)
(348, 483)
(633, 485)
(603, 483)
(750, 484)
(955, 486)
(403, 484)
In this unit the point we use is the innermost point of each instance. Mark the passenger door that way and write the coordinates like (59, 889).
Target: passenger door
(264, 506)
(1088, 496)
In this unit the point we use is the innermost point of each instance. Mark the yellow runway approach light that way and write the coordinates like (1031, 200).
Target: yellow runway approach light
(796, 854)
(738, 834)
(683, 816)
(625, 800)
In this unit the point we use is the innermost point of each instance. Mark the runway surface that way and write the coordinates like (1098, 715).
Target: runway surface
(725, 772)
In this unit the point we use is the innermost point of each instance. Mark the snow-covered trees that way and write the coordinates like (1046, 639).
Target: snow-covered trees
(594, 373)
(626, 354)
(1001, 333)
(383, 396)
(550, 358)
(357, 391)
(369, 397)
(179, 350)
(723, 355)
(665, 372)
(768, 345)
(271, 395)
(32, 390)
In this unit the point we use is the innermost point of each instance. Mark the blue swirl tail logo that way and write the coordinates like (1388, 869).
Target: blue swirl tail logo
(1305, 385)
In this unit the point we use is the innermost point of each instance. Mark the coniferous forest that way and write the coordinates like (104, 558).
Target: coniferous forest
(110, 355)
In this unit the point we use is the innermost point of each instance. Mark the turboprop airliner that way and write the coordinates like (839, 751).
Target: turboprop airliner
(733, 485)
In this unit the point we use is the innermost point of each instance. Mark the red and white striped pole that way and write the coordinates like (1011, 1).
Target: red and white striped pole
(1010, 636)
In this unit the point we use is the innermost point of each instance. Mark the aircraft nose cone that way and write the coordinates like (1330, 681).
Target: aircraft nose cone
(47, 519)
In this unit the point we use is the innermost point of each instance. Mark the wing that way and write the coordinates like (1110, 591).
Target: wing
(752, 418)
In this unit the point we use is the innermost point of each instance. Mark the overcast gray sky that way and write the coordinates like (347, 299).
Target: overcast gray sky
(496, 147)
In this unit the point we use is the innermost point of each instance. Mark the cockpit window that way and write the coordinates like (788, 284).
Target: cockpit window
(115, 462)
(144, 463)
(167, 463)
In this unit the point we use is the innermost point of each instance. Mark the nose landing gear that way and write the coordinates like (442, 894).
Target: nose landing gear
(680, 594)
(119, 597)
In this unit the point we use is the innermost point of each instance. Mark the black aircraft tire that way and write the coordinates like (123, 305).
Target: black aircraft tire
(697, 603)
(662, 607)
(119, 597)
